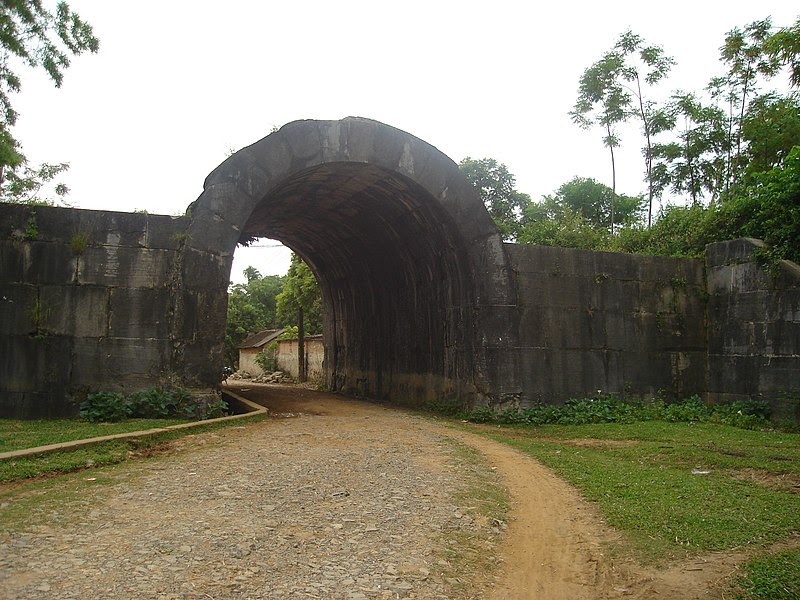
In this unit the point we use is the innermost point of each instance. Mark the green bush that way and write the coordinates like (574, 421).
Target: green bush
(606, 408)
(155, 403)
(266, 359)
(105, 406)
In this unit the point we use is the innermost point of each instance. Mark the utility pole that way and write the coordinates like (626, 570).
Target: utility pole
(301, 348)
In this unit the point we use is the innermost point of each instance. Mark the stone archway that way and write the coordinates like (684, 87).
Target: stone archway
(414, 275)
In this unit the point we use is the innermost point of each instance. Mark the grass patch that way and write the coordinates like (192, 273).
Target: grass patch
(16, 434)
(44, 500)
(469, 550)
(104, 453)
(773, 577)
(641, 477)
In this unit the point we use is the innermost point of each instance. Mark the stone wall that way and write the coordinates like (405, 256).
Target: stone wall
(95, 300)
(610, 322)
(86, 302)
(753, 328)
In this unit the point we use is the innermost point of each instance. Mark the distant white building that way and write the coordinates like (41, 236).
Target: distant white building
(314, 352)
(252, 345)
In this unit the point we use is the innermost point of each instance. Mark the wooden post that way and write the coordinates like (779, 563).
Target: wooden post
(301, 349)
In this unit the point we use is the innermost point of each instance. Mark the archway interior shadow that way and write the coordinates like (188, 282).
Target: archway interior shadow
(392, 270)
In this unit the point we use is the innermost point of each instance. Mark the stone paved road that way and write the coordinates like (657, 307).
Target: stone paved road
(351, 504)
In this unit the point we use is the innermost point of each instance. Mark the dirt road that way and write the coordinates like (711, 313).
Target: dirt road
(331, 498)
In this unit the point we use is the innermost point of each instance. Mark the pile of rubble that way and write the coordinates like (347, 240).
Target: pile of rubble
(275, 377)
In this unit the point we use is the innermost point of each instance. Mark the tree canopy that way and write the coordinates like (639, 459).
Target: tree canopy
(496, 187)
(300, 290)
(251, 308)
(33, 36)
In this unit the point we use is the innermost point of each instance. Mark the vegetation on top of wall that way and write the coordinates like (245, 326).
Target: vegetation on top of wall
(729, 156)
(155, 403)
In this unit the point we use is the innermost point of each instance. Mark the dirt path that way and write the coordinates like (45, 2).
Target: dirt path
(332, 498)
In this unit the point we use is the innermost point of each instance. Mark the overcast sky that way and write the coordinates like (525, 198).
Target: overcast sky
(177, 85)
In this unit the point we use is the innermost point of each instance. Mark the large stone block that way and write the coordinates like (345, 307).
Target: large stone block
(782, 338)
(17, 304)
(733, 374)
(204, 270)
(35, 364)
(779, 375)
(47, 263)
(119, 363)
(732, 251)
(118, 266)
(50, 404)
(166, 232)
(647, 372)
(75, 310)
(140, 312)
(12, 261)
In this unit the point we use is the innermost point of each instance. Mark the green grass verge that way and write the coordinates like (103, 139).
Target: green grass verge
(50, 499)
(482, 496)
(17, 434)
(772, 577)
(641, 477)
(104, 453)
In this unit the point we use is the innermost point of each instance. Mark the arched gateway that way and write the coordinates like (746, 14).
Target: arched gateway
(413, 272)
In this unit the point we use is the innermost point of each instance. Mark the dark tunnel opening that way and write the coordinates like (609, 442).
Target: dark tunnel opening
(394, 276)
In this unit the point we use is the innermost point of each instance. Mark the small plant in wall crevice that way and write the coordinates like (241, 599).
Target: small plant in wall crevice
(39, 315)
(32, 229)
(79, 242)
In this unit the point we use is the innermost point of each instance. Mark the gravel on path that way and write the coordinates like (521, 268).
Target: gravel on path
(343, 500)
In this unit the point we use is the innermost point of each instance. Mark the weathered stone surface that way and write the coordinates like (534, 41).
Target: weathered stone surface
(17, 302)
(753, 328)
(122, 266)
(75, 310)
(119, 363)
(139, 312)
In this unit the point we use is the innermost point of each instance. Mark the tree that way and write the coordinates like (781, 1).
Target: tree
(578, 215)
(783, 46)
(771, 128)
(603, 101)
(744, 54)
(648, 63)
(496, 188)
(26, 187)
(300, 290)
(32, 35)
(592, 201)
(694, 163)
(252, 307)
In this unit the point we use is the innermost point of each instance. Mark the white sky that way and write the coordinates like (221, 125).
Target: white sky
(177, 85)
